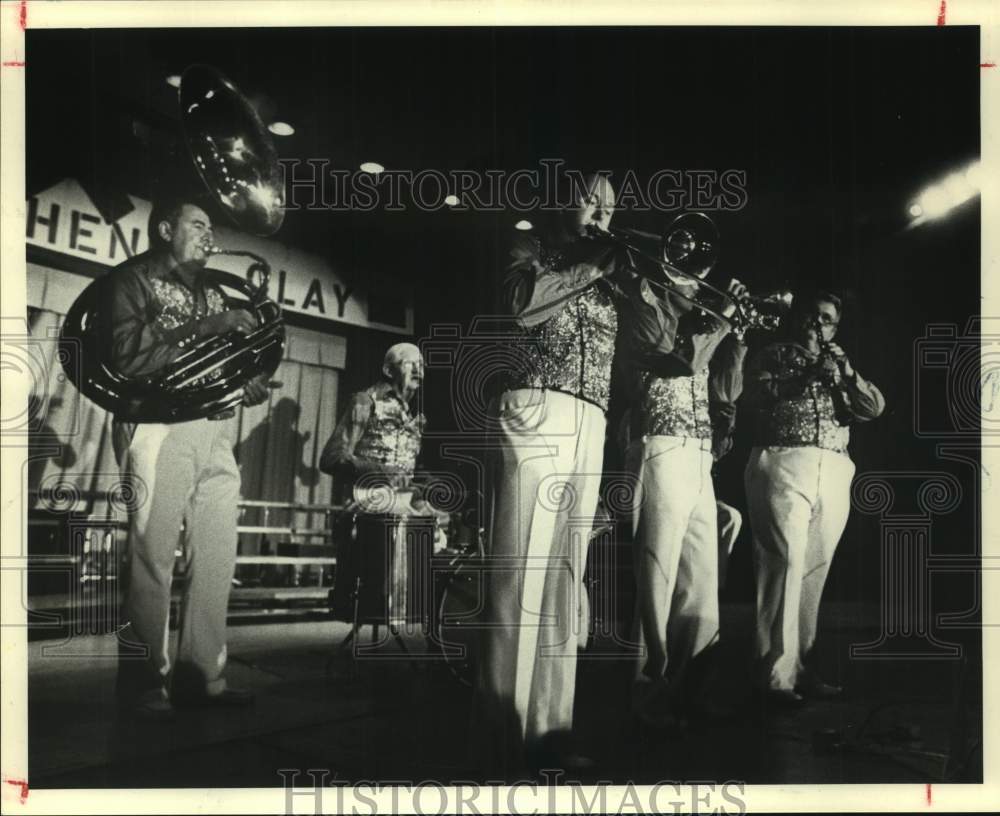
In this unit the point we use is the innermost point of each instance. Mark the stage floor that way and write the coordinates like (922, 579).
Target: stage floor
(383, 718)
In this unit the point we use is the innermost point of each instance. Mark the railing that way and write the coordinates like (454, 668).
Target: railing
(69, 534)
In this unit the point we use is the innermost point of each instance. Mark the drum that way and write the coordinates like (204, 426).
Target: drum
(460, 587)
(384, 571)
(461, 598)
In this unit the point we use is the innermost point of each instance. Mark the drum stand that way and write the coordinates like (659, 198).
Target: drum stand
(352, 636)
(386, 573)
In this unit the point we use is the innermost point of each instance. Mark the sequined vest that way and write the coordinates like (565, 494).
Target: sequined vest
(573, 351)
(177, 307)
(676, 406)
(809, 419)
(177, 304)
(392, 435)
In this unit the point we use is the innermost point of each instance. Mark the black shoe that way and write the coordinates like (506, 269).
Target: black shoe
(153, 706)
(227, 698)
(664, 726)
(708, 711)
(816, 689)
(569, 761)
(784, 698)
(558, 752)
(656, 710)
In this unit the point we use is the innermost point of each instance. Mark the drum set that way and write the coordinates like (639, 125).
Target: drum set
(393, 572)
(414, 574)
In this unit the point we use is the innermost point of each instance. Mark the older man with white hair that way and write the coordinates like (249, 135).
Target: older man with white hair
(372, 456)
(378, 438)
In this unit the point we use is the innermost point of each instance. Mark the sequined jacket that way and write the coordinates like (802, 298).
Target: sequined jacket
(568, 315)
(795, 407)
(377, 436)
(154, 313)
(691, 391)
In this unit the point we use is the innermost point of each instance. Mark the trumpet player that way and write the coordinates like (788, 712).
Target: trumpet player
(805, 394)
(183, 473)
(680, 397)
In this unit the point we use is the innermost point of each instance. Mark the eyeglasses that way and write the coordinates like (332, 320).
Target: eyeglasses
(826, 320)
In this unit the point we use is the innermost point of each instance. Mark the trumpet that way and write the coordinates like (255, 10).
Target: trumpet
(765, 312)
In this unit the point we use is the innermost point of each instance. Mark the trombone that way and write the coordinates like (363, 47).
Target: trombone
(685, 254)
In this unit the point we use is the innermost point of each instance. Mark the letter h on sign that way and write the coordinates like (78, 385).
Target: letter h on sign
(51, 221)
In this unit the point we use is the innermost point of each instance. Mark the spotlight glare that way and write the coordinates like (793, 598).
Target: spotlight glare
(174, 80)
(451, 201)
(972, 175)
(955, 189)
(281, 128)
(372, 167)
(935, 201)
(523, 225)
(958, 188)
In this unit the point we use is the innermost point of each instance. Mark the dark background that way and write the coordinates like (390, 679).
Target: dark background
(837, 130)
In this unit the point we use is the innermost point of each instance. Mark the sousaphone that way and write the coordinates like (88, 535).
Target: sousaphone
(236, 160)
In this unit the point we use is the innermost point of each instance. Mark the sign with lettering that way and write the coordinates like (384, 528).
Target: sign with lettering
(63, 219)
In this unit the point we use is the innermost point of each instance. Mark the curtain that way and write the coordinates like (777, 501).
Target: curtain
(70, 453)
(278, 443)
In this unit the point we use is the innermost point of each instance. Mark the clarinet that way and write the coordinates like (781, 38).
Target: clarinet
(841, 401)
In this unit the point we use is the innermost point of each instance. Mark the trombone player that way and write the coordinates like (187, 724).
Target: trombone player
(569, 294)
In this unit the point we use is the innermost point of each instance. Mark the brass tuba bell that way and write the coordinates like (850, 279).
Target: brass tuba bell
(236, 160)
(232, 151)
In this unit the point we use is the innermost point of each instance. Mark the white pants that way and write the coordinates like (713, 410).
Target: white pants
(676, 546)
(799, 499)
(545, 495)
(184, 474)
